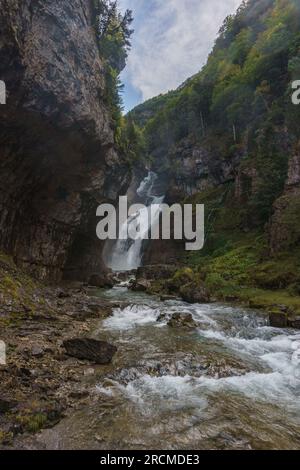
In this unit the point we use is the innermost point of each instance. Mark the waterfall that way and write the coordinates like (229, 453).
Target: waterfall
(127, 253)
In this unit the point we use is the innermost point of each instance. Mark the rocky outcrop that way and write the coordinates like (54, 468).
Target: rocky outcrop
(182, 320)
(99, 352)
(195, 293)
(105, 279)
(57, 155)
(284, 227)
(140, 286)
(192, 167)
(156, 272)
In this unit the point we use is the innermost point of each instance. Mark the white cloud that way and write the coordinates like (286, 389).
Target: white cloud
(172, 40)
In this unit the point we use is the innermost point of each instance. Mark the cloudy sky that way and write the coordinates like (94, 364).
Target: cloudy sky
(171, 42)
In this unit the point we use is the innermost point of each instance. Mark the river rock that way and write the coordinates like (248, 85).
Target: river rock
(162, 317)
(182, 320)
(140, 286)
(294, 322)
(194, 293)
(99, 352)
(165, 298)
(278, 319)
(101, 280)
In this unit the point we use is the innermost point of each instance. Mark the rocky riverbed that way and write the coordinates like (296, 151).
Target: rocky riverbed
(51, 357)
(184, 376)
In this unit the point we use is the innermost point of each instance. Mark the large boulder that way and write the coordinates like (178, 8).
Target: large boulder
(99, 352)
(140, 286)
(101, 280)
(294, 322)
(182, 320)
(278, 319)
(195, 293)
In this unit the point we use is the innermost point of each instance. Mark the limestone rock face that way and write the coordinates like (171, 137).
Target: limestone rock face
(194, 168)
(294, 171)
(57, 155)
(284, 227)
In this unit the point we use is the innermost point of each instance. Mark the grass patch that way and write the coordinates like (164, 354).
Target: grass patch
(32, 422)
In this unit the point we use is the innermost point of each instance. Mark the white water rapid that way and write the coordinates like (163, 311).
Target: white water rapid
(231, 382)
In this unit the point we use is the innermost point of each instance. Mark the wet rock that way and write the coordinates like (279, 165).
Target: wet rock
(194, 293)
(125, 275)
(161, 317)
(181, 366)
(164, 298)
(294, 322)
(101, 280)
(182, 320)
(278, 319)
(99, 352)
(140, 286)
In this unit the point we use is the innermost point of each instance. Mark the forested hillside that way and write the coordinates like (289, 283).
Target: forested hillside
(229, 137)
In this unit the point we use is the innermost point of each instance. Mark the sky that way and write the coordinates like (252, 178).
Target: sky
(171, 42)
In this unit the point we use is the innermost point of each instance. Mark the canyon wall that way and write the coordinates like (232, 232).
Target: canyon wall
(57, 155)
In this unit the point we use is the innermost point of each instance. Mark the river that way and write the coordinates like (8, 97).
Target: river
(232, 382)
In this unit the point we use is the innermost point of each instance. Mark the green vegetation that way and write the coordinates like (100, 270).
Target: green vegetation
(131, 142)
(5, 437)
(244, 273)
(17, 293)
(113, 33)
(31, 421)
(238, 110)
(239, 104)
(236, 263)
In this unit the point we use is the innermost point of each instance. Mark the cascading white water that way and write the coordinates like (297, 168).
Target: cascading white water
(127, 253)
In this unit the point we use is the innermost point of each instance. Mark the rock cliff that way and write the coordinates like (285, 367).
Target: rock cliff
(57, 155)
(284, 227)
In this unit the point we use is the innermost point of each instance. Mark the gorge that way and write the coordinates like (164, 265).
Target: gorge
(203, 345)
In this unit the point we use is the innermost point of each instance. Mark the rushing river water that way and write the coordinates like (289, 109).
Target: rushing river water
(233, 382)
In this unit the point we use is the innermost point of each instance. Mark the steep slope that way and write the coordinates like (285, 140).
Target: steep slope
(57, 154)
(234, 122)
(229, 138)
